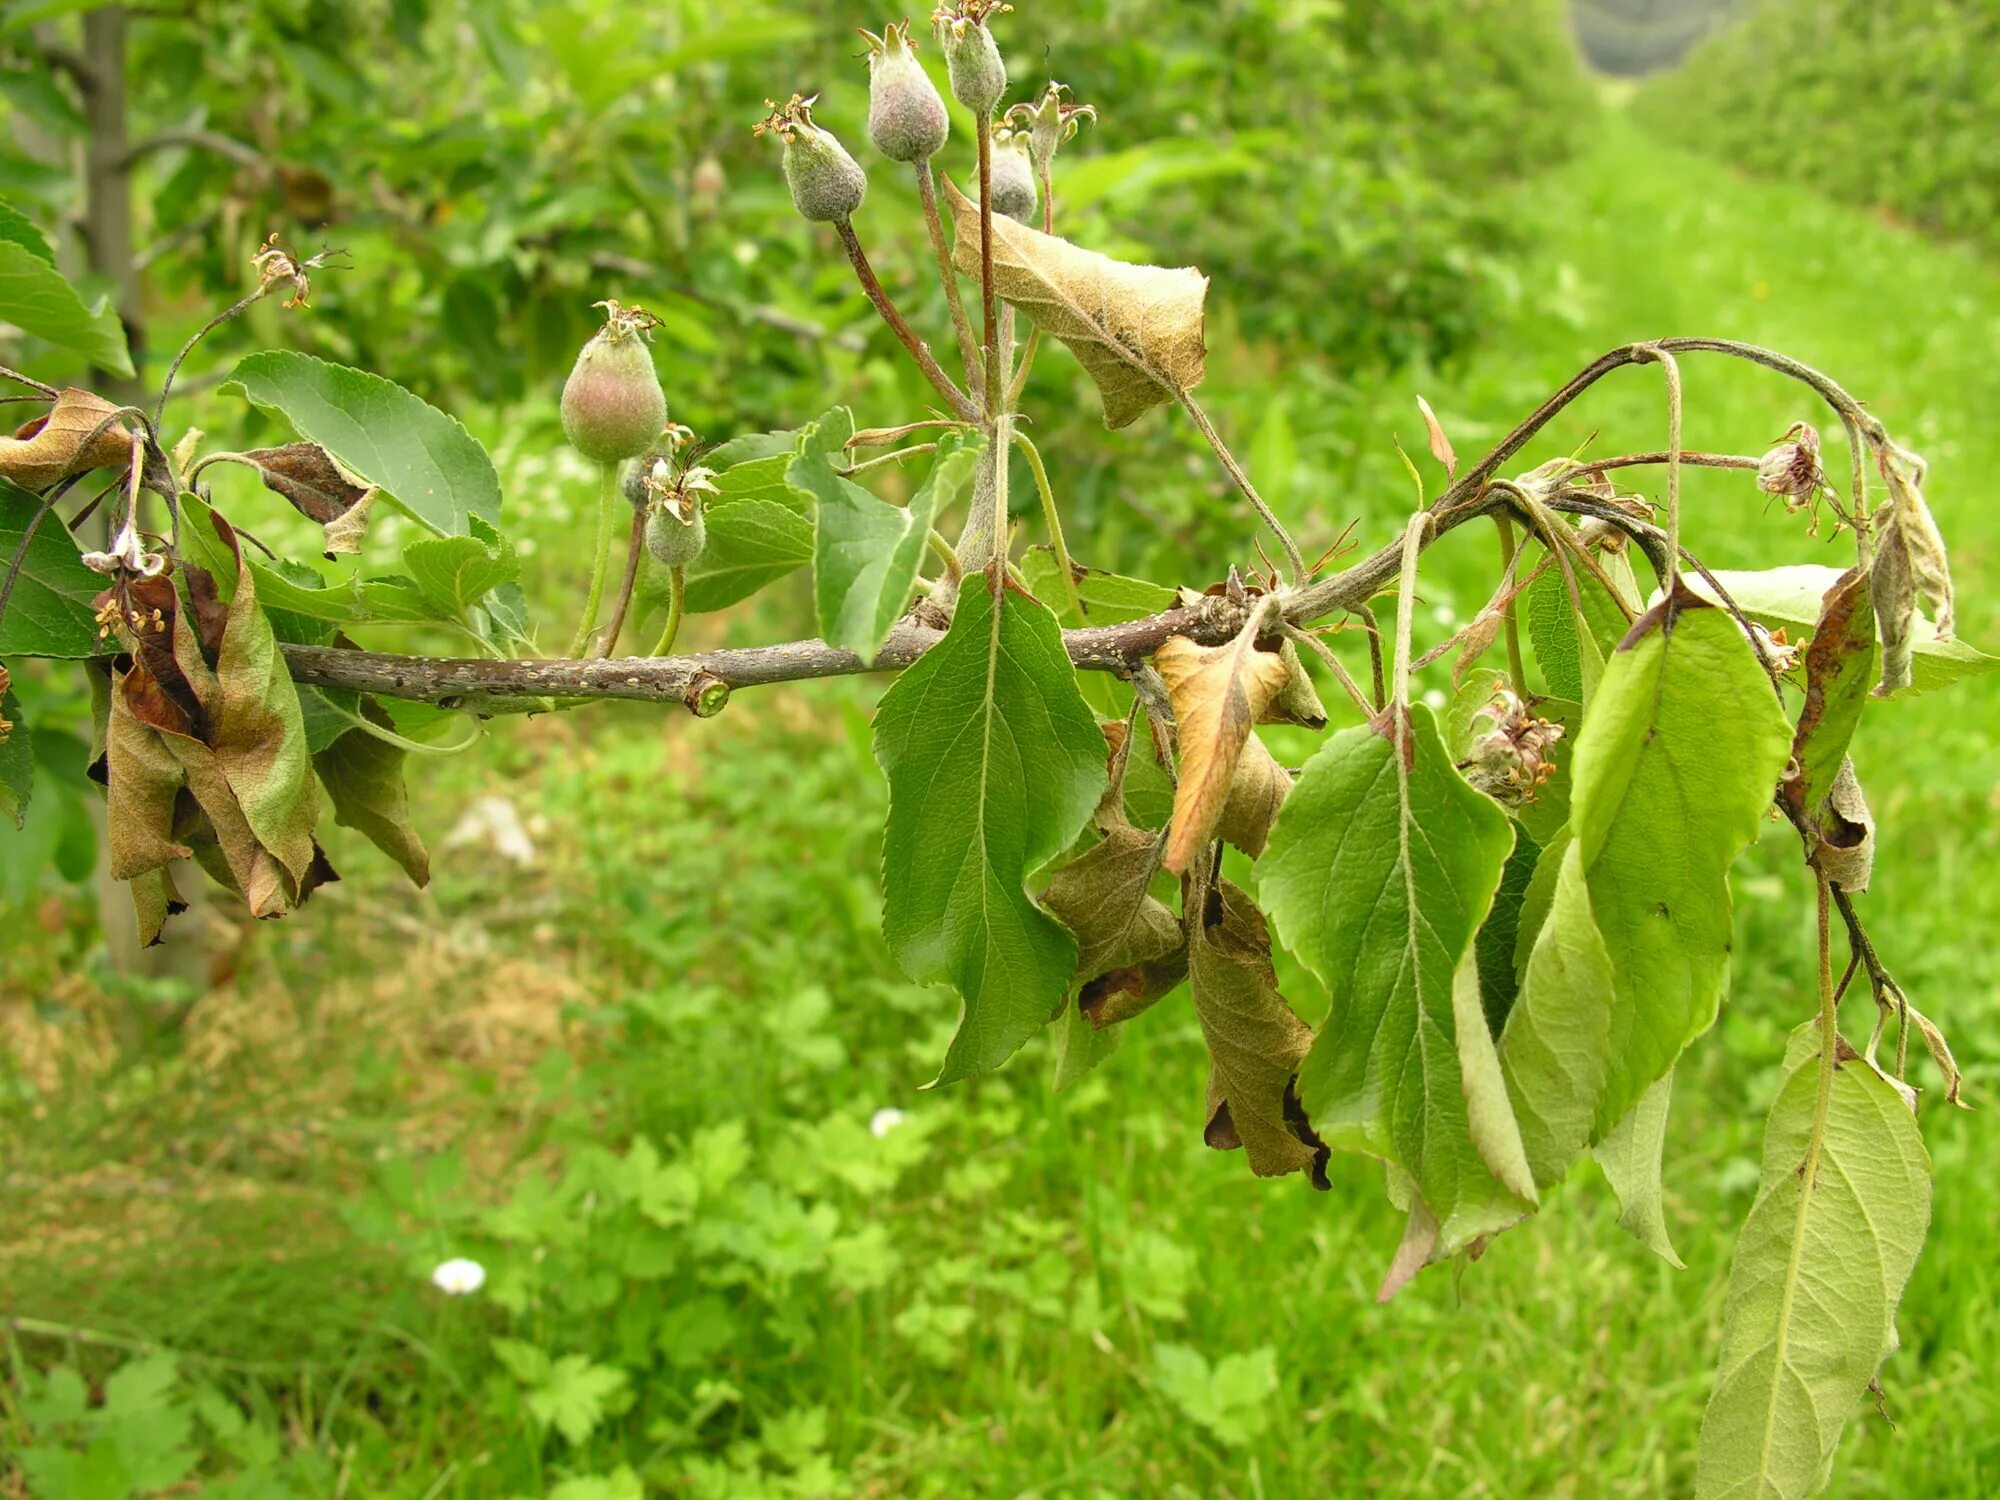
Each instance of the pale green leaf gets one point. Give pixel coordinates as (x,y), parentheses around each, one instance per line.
(456,572)
(1819,1268)
(36,299)
(1496,1135)
(995,764)
(379,433)
(1674,771)
(1630,1156)
(17,761)
(363,775)
(19,229)
(1378,875)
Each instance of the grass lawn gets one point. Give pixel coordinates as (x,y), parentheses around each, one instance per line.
(636,1073)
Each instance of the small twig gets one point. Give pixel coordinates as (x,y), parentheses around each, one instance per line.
(1375,673)
(1671,368)
(1510,624)
(988,300)
(1660,456)
(211,141)
(29,380)
(919,351)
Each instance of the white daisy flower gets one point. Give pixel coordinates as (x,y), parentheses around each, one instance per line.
(883,1121)
(459,1277)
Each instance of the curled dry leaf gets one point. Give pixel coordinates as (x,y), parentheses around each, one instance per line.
(1255,1042)
(1846,853)
(1137,330)
(1298,701)
(1440,444)
(1218,693)
(1256,792)
(319,489)
(1102,898)
(53,446)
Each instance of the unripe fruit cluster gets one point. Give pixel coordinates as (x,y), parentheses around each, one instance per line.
(906,114)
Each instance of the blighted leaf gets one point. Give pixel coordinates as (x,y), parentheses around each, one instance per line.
(378,433)
(154,899)
(1218,693)
(1791,598)
(995,764)
(1440,444)
(1080,1046)
(1820,1266)
(143,781)
(36,299)
(1102,896)
(1840,668)
(65,440)
(1673,772)
(1910,564)
(51,610)
(1846,850)
(308,476)
(866,552)
(1120,994)
(1630,1156)
(363,774)
(1255,1042)
(1137,330)
(1256,791)
(1297,702)
(1380,870)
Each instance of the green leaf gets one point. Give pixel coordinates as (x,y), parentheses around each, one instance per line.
(35,298)
(759,530)
(50,611)
(380,433)
(1791,598)
(994,764)
(1499,933)
(577,1396)
(866,552)
(1107,598)
(456,572)
(363,775)
(1630,1156)
(17,761)
(1379,872)
(17,228)
(1819,1269)
(1674,769)
(282,587)
(1571,660)
(1231,1398)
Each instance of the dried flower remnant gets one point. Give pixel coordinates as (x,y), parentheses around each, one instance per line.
(1512,758)
(1791,469)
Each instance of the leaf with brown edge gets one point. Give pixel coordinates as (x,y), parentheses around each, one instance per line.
(363,774)
(1256,792)
(1117,995)
(1840,661)
(154,899)
(143,780)
(1102,898)
(1217,692)
(1255,1042)
(1137,330)
(58,443)
(306,474)
(1440,444)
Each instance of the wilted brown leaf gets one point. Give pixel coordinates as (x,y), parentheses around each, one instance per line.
(1440,444)
(1117,995)
(52,446)
(1255,1042)
(1137,330)
(1256,792)
(1218,692)
(319,489)
(1101,896)
(1846,853)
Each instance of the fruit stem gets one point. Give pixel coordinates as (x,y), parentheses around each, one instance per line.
(632,545)
(968,342)
(607,500)
(676,594)
(987,299)
(919,351)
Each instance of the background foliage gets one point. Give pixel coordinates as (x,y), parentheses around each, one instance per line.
(1888,105)
(630,1049)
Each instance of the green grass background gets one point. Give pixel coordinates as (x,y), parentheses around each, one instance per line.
(697,943)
